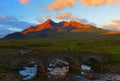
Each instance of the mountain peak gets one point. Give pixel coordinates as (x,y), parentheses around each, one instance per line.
(49,21)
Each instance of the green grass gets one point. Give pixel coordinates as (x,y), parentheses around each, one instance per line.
(114,60)
(95,46)
(4,69)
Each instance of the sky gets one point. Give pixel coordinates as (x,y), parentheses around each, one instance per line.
(17,15)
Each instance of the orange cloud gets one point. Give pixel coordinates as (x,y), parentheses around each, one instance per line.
(64,16)
(61,4)
(116,21)
(69,16)
(99,2)
(24,1)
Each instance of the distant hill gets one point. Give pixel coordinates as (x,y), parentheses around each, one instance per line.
(63,30)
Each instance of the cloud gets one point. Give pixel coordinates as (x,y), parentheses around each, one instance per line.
(99,2)
(12,24)
(42,9)
(24,1)
(40,20)
(116,21)
(114,25)
(67,15)
(4,31)
(15,29)
(47,17)
(81,20)
(2,17)
(58,5)
(61,4)
(5,18)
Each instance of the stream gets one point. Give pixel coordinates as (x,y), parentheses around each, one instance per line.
(60,68)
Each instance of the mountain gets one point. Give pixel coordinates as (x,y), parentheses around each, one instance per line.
(63,30)
(49,25)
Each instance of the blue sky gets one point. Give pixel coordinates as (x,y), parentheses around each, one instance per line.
(16,15)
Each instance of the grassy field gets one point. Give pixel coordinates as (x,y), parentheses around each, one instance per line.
(95,46)
(8,48)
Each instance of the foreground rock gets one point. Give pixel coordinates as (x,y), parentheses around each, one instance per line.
(58,68)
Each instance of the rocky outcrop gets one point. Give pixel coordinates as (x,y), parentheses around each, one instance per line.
(58,67)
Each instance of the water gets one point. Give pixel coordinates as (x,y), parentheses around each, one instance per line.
(29,72)
(60,68)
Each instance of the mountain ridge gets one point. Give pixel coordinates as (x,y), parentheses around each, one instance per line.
(49,24)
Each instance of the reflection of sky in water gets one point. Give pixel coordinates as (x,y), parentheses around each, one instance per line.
(29,72)
(85,67)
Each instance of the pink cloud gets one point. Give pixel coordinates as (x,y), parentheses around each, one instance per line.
(47,17)
(2,17)
(41,20)
(24,1)
(114,25)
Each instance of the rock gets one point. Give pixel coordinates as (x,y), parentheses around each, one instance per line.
(21,52)
(58,67)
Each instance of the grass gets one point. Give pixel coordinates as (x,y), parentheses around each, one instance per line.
(95,46)
(114,60)
(8,48)
(4,69)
